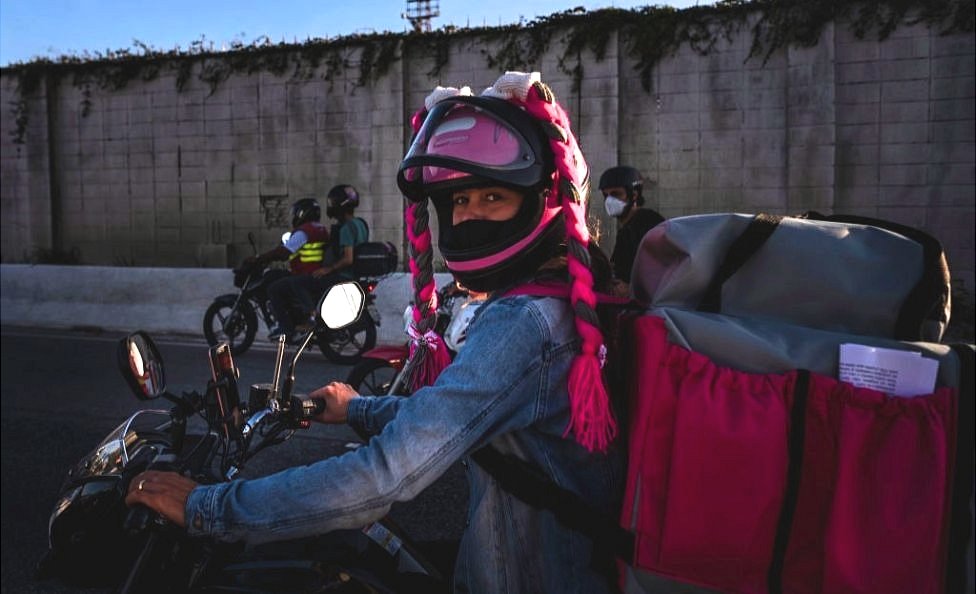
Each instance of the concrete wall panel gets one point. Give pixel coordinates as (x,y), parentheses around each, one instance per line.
(150,175)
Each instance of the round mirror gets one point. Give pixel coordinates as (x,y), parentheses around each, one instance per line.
(342,305)
(142,366)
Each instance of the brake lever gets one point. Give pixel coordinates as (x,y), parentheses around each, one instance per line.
(254,421)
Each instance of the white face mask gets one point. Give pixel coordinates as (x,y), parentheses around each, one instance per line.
(615,206)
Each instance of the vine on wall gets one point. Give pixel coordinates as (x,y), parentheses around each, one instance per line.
(648,35)
(653,33)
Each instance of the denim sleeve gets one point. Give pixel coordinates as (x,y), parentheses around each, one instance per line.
(369,414)
(493,387)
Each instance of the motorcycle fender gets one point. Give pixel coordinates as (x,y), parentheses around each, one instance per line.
(388,352)
(228,299)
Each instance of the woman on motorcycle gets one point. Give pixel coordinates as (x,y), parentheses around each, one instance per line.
(509,186)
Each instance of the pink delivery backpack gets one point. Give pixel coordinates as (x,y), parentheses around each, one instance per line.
(792,422)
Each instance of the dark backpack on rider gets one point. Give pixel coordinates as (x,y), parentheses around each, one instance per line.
(751,468)
(369,258)
(374,258)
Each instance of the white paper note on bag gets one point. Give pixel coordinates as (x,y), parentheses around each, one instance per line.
(900,373)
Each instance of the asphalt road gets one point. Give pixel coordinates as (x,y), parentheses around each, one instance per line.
(61,393)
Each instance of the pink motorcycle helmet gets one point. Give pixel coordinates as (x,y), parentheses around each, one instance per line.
(469,141)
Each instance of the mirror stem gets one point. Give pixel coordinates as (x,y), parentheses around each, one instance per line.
(290,379)
(301,350)
(279,360)
(174,399)
(179,434)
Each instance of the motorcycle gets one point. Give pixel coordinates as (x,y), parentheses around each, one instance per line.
(233,317)
(384,369)
(96,540)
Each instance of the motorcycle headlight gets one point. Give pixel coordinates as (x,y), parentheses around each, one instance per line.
(111,455)
(86,541)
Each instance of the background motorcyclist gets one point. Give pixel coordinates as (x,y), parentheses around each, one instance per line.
(334,265)
(305,251)
(348,232)
(623,191)
(509,186)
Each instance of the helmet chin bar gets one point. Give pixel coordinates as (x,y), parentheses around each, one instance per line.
(522,264)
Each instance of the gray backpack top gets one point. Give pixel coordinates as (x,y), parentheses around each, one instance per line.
(846,274)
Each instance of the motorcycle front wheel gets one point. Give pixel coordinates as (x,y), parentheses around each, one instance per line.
(372,377)
(223,323)
(346,346)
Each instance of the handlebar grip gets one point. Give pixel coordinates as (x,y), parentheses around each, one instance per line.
(306,408)
(138,519)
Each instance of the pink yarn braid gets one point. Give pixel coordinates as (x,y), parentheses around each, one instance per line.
(591,417)
(427,348)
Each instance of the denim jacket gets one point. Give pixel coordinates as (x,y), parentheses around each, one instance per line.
(507,386)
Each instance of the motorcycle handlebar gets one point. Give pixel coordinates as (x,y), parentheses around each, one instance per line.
(139,517)
(301,409)
(307,408)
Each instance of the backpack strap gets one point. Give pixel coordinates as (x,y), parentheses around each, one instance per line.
(334,231)
(961,519)
(743,248)
(561,291)
(530,486)
(794,448)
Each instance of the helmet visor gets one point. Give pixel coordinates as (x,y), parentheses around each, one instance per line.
(464,137)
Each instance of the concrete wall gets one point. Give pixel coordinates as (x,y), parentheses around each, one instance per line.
(149,176)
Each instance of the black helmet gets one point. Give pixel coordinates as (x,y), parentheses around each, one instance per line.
(305,210)
(343,196)
(626,177)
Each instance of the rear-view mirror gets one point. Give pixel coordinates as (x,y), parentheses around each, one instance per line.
(142,366)
(341,305)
